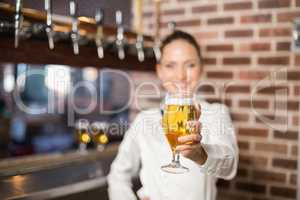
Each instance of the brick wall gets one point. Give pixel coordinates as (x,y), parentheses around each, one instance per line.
(251,68)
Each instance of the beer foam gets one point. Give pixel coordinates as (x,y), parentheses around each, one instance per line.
(178,101)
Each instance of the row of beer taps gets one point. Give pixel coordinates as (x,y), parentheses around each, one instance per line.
(75,35)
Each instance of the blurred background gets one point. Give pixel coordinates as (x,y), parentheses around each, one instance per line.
(252,64)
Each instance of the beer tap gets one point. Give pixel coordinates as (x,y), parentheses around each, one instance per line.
(138,27)
(18,21)
(120,35)
(172,26)
(156,49)
(140,47)
(74,32)
(49,28)
(99,17)
(156,45)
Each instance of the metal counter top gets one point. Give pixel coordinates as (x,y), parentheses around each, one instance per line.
(51,176)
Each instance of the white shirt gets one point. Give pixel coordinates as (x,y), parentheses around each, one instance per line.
(145,149)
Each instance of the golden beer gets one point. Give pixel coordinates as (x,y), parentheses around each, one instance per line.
(179,109)
(99,131)
(82,132)
(175,120)
(83,136)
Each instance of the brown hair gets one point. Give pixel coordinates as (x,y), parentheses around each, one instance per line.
(181,35)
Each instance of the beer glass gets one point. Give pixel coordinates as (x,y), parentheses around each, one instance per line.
(179,108)
(98,131)
(83,136)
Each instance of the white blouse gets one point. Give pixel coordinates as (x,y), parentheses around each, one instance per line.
(145,149)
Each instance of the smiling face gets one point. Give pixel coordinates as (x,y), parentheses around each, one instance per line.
(180,67)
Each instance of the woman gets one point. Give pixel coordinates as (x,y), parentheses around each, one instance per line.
(210,153)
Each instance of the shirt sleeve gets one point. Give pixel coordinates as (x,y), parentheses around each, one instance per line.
(125,166)
(219,142)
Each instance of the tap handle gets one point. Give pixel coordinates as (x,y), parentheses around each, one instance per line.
(172,26)
(73,8)
(18,21)
(119,18)
(49,30)
(74,32)
(140,47)
(48,8)
(156,50)
(73,14)
(120,29)
(120,35)
(99,18)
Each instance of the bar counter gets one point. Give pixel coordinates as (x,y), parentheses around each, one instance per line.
(71,175)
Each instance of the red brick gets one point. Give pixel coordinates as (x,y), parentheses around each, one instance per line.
(253,161)
(251,187)
(293,76)
(280,60)
(288,16)
(253,75)
(229,195)
(237,89)
(206,35)
(240,117)
(262,18)
(253,132)
(275,32)
(237,6)
(296,121)
(204,9)
(220,20)
(274,90)
(219,47)
(267,176)
(184,23)
(220,75)
(297,90)
(255,47)
(238,33)
(298,3)
(297,60)
(274,148)
(237,61)
(284,163)
(242,173)
(206,89)
(288,135)
(295,150)
(227,102)
(283,46)
(274,3)
(173,12)
(243,145)
(283,192)
(291,105)
(210,61)
(271,119)
(293,179)
(254,104)
(223,183)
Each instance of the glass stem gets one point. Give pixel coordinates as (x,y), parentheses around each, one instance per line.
(175,157)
